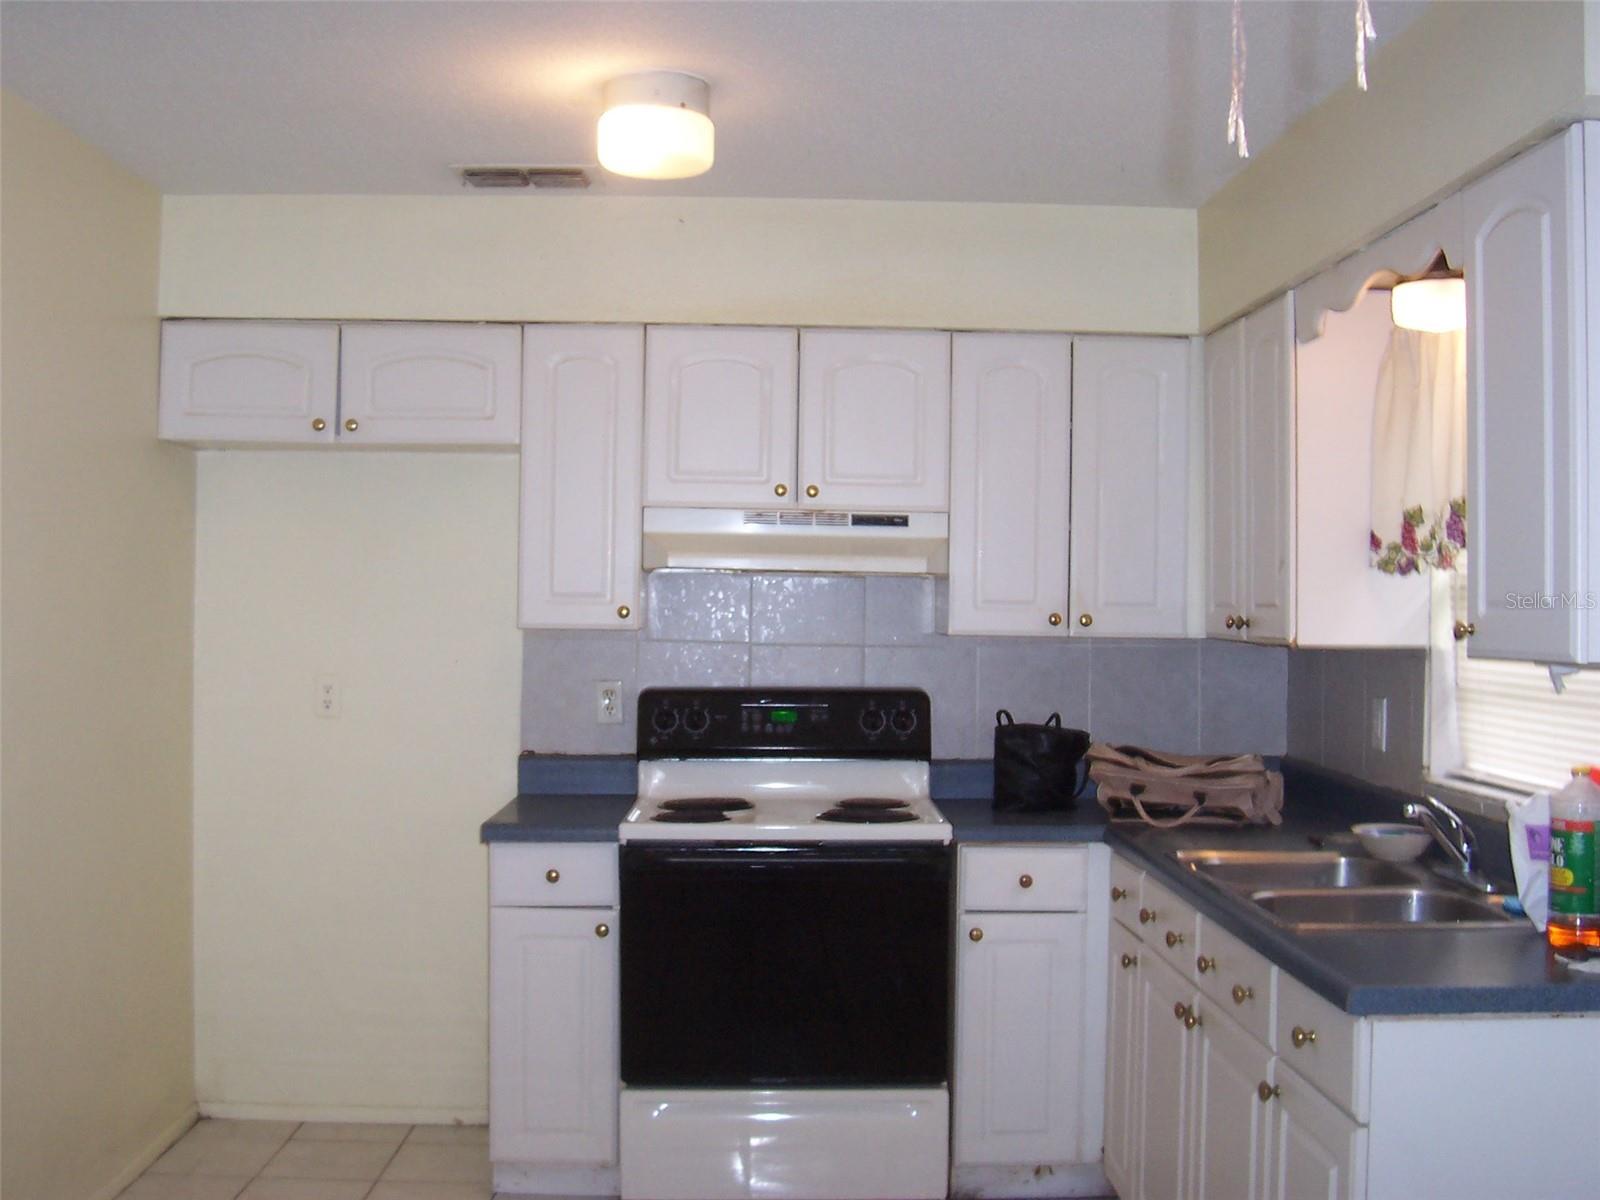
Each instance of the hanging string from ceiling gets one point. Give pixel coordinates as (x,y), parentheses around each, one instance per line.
(1365,32)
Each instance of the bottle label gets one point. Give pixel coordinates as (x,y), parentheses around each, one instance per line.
(1572,868)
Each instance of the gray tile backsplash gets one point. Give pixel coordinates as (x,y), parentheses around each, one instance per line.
(1330,712)
(730,628)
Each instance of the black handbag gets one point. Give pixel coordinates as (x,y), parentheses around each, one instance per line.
(1036,766)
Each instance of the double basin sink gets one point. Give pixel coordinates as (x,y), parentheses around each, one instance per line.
(1314,890)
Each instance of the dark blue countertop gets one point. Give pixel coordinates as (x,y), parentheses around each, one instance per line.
(1368,973)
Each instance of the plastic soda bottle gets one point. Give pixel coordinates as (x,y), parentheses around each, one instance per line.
(1575,863)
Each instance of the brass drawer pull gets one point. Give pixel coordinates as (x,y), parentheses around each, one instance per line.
(1146,915)
(1129,960)
(319,424)
(1085,619)
(1204,964)
(1191,1019)
(1266,1091)
(1025,881)
(624,612)
(1055,618)
(1303,1037)
(552,876)
(975,934)
(351,425)
(781,490)
(1463,630)
(1180,1010)
(1119,893)
(602,930)
(811,490)
(1174,939)
(1242,993)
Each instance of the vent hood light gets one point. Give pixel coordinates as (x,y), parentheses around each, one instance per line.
(656,125)
(1435,302)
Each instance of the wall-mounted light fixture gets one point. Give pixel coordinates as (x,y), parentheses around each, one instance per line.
(1433,302)
(657,125)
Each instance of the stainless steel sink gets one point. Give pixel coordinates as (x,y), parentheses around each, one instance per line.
(1379,908)
(1251,870)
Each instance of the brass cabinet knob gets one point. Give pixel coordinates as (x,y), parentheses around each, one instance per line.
(1055,618)
(1266,1091)
(811,490)
(1242,993)
(552,876)
(624,611)
(1085,620)
(1146,915)
(1128,960)
(1204,964)
(1244,622)
(319,424)
(975,934)
(1191,1019)
(351,424)
(602,929)
(1180,1010)
(1174,938)
(1025,881)
(1231,621)
(1303,1037)
(1463,630)
(1119,893)
(781,490)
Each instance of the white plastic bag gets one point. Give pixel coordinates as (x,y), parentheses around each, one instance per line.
(1529,818)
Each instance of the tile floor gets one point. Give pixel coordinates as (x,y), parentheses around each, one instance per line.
(292,1160)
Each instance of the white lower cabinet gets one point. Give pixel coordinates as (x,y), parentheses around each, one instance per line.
(1228,1079)
(553,1024)
(1028,1064)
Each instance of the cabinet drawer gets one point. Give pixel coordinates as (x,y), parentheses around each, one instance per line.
(1127,891)
(1169,927)
(552,875)
(1024,879)
(1332,1048)
(1243,984)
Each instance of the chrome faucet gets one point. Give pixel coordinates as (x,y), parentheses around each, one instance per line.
(1454,836)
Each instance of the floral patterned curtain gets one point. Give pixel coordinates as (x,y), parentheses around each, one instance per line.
(1419,454)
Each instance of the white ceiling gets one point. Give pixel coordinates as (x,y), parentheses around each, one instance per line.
(980,100)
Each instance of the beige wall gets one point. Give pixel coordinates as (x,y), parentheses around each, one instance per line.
(98,525)
(1459,88)
(592,258)
(340,890)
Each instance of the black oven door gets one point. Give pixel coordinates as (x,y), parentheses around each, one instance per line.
(820,965)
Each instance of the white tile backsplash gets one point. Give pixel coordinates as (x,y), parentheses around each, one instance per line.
(720,628)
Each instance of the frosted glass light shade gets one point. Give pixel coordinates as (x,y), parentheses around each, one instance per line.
(656,125)
(1431,305)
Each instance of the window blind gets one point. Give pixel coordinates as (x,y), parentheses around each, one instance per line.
(1514,727)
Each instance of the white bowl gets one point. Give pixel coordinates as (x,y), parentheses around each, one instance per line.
(1392,843)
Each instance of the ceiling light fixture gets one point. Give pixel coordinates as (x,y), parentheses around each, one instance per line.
(1433,302)
(657,125)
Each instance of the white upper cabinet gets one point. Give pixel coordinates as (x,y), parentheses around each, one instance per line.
(1130,487)
(430,383)
(1250,463)
(249,381)
(874,420)
(582,417)
(1533,451)
(720,415)
(1011,426)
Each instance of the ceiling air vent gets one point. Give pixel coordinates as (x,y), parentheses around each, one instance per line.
(522,177)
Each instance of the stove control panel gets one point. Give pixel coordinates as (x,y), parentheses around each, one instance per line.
(785,722)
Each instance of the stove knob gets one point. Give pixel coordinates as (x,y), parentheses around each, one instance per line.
(904,721)
(872,721)
(696,720)
(664,720)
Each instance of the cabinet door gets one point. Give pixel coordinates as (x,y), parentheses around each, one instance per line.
(249,381)
(874,420)
(432,383)
(1011,424)
(1225,592)
(1166,1079)
(1526,395)
(1269,470)
(1124,1108)
(1130,486)
(553,1035)
(720,416)
(1019,1038)
(583,410)
(1228,1124)
(1317,1152)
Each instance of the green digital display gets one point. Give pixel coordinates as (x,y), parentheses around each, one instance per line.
(783,716)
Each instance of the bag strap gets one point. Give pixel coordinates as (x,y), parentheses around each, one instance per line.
(1157,822)
(1053,719)
(1003,717)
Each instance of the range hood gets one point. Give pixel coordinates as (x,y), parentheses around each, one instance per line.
(792,539)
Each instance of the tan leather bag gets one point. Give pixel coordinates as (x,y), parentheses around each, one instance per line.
(1171,790)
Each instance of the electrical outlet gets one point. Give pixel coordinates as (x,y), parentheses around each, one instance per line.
(329,696)
(1380,724)
(608,701)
